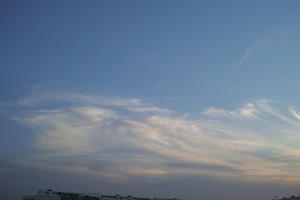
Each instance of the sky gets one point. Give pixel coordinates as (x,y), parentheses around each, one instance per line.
(187,99)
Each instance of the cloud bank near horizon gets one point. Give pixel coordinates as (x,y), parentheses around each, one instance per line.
(118,138)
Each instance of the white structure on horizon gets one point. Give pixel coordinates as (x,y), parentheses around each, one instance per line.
(53,195)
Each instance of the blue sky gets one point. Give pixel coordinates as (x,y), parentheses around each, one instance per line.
(167,95)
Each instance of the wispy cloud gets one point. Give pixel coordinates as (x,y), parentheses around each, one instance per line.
(249,51)
(295,113)
(161,83)
(250,111)
(123,137)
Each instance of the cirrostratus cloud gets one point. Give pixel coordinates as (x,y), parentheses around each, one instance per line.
(123,137)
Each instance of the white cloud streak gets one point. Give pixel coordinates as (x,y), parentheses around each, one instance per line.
(249,51)
(294,113)
(119,138)
(249,111)
(161,83)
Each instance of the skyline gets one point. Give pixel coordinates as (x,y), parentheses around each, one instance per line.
(150,98)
